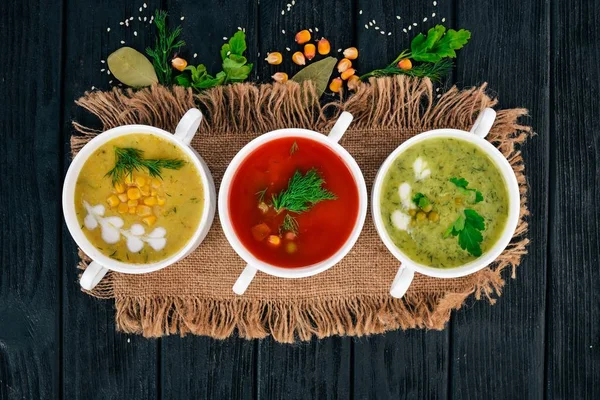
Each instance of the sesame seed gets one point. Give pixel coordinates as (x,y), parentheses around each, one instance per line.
(443,19)
(435,3)
(122,42)
(366,26)
(239,28)
(102,61)
(382,32)
(374,22)
(288,49)
(134,33)
(283,31)
(288,5)
(228,53)
(110,81)
(93,87)
(377,28)
(145,5)
(131,18)
(316,29)
(120,23)
(370,23)
(310,30)
(404,30)
(108,71)
(224,37)
(409,27)
(282,12)
(424,19)
(195,55)
(147,18)
(432,15)
(397,17)
(107,29)
(293,2)
(126,22)
(438,96)
(389,33)
(182,18)
(103,69)
(437,89)
(414,24)
(140,9)
(339,50)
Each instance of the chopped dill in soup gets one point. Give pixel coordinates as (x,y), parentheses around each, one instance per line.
(444,202)
(139,199)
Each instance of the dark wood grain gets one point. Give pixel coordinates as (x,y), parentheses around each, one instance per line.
(98,362)
(402,364)
(498,351)
(30,159)
(573,330)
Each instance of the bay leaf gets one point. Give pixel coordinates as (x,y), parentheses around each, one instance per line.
(318,72)
(131,68)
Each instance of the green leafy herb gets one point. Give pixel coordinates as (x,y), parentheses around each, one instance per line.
(468,228)
(462,185)
(294,148)
(421,200)
(165,45)
(235,67)
(303,192)
(261,195)
(131,67)
(433,51)
(290,224)
(129,159)
(318,72)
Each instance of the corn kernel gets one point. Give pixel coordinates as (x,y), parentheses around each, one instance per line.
(274,240)
(123,208)
(280,77)
(291,247)
(348,73)
(133,193)
(274,58)
(343,65)
(323,47)
(155,183)
(132,203)
(179,63)
(150,220)
(132,210)
(353,82)
(336,85)
(128,180)
(405,64)
(145,190)
(351,53)
(150,201)
(119,187)
(144,211)
(140,180)
(302,36)
(122,197)
(298,58)
(161,201)
(309,51)
(113,201)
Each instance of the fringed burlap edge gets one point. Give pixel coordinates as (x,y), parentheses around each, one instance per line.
(386,103)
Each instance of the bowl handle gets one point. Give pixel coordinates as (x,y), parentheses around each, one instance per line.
(402,281)
(484,122)
(340,127)
(92,275)
(188,125)
(243,281)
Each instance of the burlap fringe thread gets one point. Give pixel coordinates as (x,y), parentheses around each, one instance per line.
(386,103)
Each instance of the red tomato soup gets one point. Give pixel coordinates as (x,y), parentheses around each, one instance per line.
(273,233)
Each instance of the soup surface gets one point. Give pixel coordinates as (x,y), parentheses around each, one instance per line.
(293,202)
(444,202)
(135,217)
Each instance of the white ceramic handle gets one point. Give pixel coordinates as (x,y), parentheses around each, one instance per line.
(243,281)
(484,122)
(92,275)
(402,281)
(188,125)
(340,126)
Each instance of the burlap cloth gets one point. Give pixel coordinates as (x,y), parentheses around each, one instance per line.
(195,296)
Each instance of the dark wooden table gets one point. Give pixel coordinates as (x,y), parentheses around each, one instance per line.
(541,339)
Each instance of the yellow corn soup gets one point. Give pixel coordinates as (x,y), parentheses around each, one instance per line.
(140,218)
(458,180)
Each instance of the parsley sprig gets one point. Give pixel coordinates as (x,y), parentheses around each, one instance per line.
(468,227)
(129,159)
(165,45)
(303,192)
(462,185)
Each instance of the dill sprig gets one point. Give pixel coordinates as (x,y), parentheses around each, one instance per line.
(303,192)
(129,159)
(294,148)
(290,224)
(261,195)
(434,71)
(165,44)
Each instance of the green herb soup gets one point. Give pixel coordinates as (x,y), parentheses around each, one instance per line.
(444,202)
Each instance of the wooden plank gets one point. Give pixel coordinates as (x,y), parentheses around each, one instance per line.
(499,350)
(98,362)
(573,348)
(30,99)
(222,369)
(402,364)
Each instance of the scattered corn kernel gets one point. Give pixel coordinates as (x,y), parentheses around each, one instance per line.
(145,190)
(280,77)
(302,36)
(336,85)
(140,180)
(119,187)
(122,197)
(113,201)
(298,58)
(133,193)
(343,65)
(348,73)
(132,203)
(405,64)
(132,210)
(274,58)
(153,192)
(155,183)
(353,82)
(291,247)
(128,180)
(161,201)
(149,220)
(123,208)
(179,63)
(323,46)
(274,240)
(351,53)
(144,211)
(150,201)
(309,51)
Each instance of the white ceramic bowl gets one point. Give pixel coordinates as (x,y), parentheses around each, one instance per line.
(477,136)
(254,264)
(185,131)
